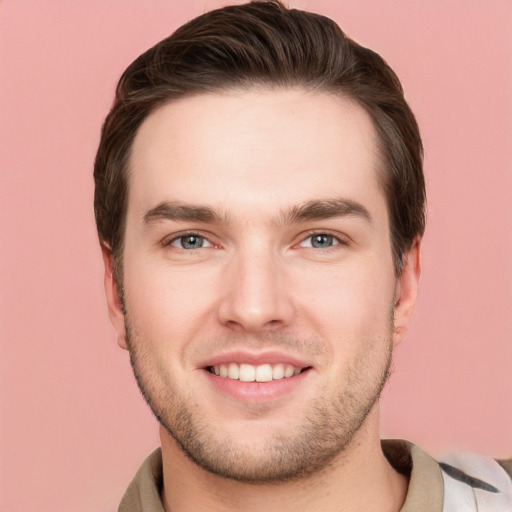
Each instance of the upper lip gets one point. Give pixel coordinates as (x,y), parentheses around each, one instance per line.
(256,359)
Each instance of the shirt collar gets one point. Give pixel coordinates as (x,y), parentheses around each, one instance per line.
(425,493)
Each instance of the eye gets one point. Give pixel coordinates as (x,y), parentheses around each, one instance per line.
(320,241)
(190,242)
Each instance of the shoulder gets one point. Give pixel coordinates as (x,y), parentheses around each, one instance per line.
(506,464)
(143,493)
(462,482)
(475,482)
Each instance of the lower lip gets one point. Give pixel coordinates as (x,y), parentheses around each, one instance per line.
(256,391)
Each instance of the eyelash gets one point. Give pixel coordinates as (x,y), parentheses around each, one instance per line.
(187,234)
(336,239)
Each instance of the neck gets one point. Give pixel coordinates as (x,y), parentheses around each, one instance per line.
(358,479)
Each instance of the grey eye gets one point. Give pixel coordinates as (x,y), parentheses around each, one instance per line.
(190,242)
(320,241)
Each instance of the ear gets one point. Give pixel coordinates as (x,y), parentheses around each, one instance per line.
(115,306)
(406,291)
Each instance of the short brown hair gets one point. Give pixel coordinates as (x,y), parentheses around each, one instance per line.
(262,44)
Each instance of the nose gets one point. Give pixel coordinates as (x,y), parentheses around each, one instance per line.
(256,294)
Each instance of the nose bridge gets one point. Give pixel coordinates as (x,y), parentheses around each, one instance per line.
(255,296)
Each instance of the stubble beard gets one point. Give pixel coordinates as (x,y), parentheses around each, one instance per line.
(327,430)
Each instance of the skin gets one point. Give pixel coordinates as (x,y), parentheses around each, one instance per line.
(233,169)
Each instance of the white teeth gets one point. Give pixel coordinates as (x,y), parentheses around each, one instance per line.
(247,373)
(260,373)
(278,371)
(233,371)
(289,370)
(264,373)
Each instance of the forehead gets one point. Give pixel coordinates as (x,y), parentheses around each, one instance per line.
(255,150)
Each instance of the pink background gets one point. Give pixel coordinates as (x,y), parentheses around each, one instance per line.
(73,425)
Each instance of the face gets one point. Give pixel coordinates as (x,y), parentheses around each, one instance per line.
(260,298)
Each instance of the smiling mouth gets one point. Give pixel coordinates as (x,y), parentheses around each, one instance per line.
(253,373)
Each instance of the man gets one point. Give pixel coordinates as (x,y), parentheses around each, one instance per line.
(260,206)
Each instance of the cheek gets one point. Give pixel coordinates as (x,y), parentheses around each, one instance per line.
(167,303)
(349,303)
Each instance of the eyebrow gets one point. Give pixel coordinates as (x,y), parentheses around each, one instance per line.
(176,211)
(316,209)
(325,209)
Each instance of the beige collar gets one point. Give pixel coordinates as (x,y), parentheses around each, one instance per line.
(425,493)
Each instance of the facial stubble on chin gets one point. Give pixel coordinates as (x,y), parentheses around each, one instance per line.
(327,430)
